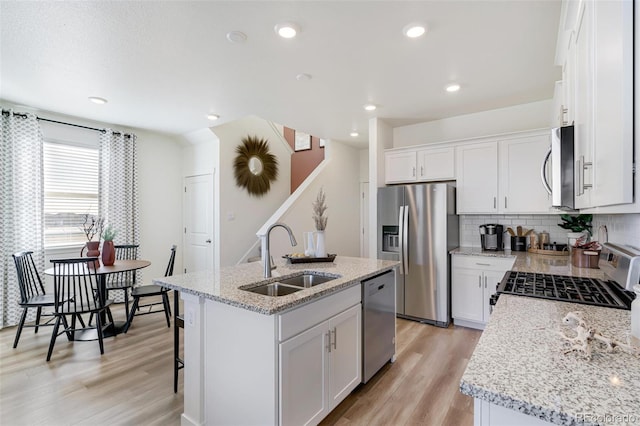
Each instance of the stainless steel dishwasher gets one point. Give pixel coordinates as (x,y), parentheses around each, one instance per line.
(378,323)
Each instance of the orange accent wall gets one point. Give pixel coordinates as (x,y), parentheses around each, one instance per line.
(303,162)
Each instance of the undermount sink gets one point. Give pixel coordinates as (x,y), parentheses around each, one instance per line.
(274,289)
(290,285)
(307,280)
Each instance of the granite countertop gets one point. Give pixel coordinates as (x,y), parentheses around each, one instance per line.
(534,262)
(224,285)
(520,363)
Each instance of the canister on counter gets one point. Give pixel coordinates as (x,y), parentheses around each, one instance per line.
(543,238)
(533,240)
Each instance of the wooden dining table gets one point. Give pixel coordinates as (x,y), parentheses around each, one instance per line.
(116,327)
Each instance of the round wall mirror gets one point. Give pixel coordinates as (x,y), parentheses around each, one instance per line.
(254,166)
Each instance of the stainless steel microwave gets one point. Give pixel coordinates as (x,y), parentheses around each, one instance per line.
(561,184)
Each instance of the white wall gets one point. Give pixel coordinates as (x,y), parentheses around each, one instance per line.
(159,190)
(364,165)
(241,215)
(533,115)
(340,180)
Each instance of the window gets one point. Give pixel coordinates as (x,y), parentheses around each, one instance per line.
(70,191)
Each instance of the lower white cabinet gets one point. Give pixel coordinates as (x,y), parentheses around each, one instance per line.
(488,414)
(473,282)
(319,368)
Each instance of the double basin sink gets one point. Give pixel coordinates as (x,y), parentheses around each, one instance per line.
(289,285)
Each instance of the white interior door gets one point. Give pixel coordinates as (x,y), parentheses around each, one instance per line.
(198,223)
(364,219)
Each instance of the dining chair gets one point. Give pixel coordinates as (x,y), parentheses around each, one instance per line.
(123,281)
(76,292)
(32,293)
(152,290)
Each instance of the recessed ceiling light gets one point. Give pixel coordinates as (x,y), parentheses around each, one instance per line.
(370,107)
(97,100)
(303,77)
(452,87)
(213,117)
(287,29)
(414,30)
(354,134)
(236,36)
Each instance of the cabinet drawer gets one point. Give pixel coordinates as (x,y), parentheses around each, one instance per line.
(488,263)
(304,317)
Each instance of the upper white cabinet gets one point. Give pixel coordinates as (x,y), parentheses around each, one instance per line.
(420,165)
(400,166)
(520,188)
(503,176)
(477,187)
(596,51)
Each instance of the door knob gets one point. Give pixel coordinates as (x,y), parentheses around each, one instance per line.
(208,241)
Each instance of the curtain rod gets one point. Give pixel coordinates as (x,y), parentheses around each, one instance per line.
(19,114)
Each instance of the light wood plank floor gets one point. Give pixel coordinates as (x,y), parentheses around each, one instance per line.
(132,383)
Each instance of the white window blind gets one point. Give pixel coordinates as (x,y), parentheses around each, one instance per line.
(70,191)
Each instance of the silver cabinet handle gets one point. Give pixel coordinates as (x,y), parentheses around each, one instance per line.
(479,281)
(483,264)
(421,170)
(328,334)
(505,202)
(335,338)
(495,200)
(414,172)
(581,167)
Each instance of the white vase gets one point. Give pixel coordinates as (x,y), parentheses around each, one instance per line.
(321,250)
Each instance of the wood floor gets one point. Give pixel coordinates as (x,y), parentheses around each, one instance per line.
(132,383)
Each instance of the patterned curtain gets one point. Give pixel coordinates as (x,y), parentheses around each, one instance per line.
(118,187)
(21,205)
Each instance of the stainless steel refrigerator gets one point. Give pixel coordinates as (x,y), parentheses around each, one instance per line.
(418,225)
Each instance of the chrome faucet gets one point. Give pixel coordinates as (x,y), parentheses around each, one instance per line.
(267,255)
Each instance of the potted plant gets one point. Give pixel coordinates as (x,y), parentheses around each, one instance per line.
(108,250)
(579,226)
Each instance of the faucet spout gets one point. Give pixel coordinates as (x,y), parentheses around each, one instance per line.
(265,243)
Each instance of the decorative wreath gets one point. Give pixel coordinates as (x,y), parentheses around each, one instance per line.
(254,166)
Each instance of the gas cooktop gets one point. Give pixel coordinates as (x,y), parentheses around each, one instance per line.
(564,288)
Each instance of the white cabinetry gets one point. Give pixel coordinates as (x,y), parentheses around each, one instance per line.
(488,414)
(477,187)
(598,75)
(503,176)
(400,166)
(319,368)
(473,282)
(420,165)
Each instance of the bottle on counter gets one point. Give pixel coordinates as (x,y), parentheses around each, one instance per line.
(544,239)
(635,313)
(533,240)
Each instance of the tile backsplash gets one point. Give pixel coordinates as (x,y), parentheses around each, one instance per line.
(622,228)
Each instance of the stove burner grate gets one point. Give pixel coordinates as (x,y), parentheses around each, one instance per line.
(586,291)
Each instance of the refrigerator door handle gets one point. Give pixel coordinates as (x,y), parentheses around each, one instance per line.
(401,236)
(405,240)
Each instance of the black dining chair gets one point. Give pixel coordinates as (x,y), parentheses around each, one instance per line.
(123,281)
(77,292)
(152,290)
(32,293)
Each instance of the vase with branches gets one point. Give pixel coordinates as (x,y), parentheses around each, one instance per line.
(320,219)
(91,227)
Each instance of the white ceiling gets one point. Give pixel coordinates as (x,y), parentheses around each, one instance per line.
(165,65)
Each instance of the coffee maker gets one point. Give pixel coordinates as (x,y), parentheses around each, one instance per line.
(491,236)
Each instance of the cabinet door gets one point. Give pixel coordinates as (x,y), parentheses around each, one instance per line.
(521,189)
(466,294)
(400,166)
(477,171)
(490,280)
(583,132)
(345,358)
(436,164)
(303,369)
(613,103)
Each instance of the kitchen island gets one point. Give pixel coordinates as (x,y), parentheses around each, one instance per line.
(520,374)
(255,359)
